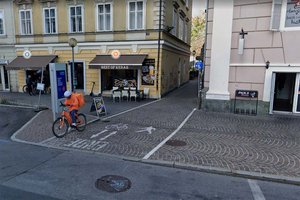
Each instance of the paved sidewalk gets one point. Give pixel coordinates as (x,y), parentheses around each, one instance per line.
(257,146)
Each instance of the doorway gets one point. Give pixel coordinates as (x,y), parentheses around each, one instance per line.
(4,78)
(78,76)
(284,91)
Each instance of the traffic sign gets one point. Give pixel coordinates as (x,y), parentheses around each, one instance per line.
(199,65)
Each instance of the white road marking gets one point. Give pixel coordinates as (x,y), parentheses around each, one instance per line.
(111,134)
(147,129)
(126,111)
(169,137)
(97,134)
(256,191)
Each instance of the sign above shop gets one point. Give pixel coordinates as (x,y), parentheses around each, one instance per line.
(26,54)
(246,93)
(114,67)
(3,62)
(115,54)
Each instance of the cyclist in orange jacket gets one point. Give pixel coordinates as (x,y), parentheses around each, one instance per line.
(72,102)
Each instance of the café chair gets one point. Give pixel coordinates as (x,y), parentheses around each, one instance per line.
(146,92)
(132,93)
(116,93)
(125,93)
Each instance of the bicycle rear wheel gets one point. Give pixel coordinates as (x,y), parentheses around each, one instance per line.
(81,122)
(60,127)
(25,89)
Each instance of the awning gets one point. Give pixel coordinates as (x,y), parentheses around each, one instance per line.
(123,62)
(34,62)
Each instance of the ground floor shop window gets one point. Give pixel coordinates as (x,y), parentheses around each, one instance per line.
(118,78)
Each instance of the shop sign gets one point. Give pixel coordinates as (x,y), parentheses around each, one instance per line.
(3,62)
(115,54)
(246,93)
(114,67)
(26,54)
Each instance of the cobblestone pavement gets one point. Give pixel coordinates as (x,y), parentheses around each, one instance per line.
(260,144)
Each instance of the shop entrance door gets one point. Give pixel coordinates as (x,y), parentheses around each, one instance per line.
(4,81)
(297,95)
(78,76)
(284,90)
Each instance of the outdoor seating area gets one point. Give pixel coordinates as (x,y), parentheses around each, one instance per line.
(129,94)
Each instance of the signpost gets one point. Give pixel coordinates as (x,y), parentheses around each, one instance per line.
(59,85)
(199,67)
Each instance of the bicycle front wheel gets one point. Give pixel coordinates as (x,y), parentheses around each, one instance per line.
(81,122)
(60,127)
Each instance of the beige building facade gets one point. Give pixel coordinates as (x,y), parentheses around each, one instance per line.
(151,36)
(253,45)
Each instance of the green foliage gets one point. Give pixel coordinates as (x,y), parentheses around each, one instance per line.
(198,33)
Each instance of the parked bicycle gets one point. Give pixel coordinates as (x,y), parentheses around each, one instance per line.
(62,124)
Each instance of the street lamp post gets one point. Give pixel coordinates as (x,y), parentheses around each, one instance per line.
(72,43)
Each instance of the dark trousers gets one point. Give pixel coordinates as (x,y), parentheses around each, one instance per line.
(73,115)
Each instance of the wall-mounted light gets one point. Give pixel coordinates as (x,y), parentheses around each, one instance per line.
(242,42)
(267,64)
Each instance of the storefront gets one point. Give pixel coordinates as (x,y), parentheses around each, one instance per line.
(285,92)
(124,71)
(33,66)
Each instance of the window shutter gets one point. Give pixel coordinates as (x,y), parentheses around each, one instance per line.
(276,15)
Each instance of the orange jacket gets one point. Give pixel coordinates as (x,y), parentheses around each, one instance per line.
(73,102)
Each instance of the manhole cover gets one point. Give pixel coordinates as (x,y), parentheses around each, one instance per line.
(113,184)
(176,143)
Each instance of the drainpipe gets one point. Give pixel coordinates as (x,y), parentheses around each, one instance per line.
(204,58)
(158,52)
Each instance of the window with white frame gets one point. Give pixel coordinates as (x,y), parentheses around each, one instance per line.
(181,29)
(104,17)
(175,22)
(285,15)
(25,22)
(50,20)
(76,19)
(136,14)
(2,22)
(292,14)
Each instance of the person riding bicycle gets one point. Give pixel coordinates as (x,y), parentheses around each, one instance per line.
(72,102)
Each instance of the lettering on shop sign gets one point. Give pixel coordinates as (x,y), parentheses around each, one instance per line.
(114,67)
(246,93)
(85,144)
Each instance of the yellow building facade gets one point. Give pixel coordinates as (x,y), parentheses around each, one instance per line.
(151,36)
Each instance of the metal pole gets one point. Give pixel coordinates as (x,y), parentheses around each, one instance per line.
(158,51)
(42,76)
(72,71)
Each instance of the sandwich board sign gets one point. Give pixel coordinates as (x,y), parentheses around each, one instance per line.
(98,106)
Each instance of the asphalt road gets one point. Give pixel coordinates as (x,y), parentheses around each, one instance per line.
(33,172)
(12,118)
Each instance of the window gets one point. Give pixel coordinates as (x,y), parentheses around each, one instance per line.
(285,15)
(25,22)
(104,17)
(185,32)
(292,14)
(50,20)
(1,22)
(136,15)
(175,22)
(181,29)
(76,21)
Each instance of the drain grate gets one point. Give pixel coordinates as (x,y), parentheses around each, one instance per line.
(113,184)
(176,143)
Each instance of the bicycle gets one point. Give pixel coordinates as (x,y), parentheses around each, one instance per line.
(61,125)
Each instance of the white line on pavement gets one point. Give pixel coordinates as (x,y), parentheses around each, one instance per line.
(169,137)
(131,109)
(256,191)
(111,134)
